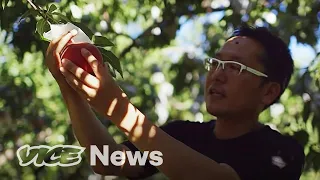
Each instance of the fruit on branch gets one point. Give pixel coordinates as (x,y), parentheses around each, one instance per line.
(72,52)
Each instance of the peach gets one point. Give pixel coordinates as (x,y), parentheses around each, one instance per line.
(72,52)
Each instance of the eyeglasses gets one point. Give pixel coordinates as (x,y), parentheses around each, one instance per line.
(231,67)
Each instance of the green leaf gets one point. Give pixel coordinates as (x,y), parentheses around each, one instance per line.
(84,28)
(46,28)
(39,26)
(52,8)
(61,16)
(42,26)
(111,59)
(47,6)
(112,71)
(101,41)
(49,16)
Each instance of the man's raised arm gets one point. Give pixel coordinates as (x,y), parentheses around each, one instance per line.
(87,128)
(103,94)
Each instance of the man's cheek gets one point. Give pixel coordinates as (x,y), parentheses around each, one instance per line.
(237,97)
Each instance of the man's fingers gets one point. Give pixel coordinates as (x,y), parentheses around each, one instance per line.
(94,63)
(79,86)
(81,74)
(54,42)
(65,39)
(56,45)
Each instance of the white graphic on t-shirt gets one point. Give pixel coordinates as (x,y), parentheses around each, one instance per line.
(278,161)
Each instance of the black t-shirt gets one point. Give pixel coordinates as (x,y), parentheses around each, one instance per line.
(264,154)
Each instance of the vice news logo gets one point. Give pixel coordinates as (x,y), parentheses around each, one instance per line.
(70,155)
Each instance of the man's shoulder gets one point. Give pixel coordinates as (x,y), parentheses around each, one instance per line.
(275,138)
(282,146)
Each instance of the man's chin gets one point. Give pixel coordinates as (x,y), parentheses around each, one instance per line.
(216,111)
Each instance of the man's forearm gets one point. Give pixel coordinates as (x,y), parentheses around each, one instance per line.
(148,137)
(87,128)
(84,122)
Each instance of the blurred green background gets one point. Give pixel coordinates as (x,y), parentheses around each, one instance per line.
(161,45)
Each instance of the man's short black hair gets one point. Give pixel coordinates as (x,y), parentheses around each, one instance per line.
(276,59)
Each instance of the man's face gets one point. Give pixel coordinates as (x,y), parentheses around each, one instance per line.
(227,94)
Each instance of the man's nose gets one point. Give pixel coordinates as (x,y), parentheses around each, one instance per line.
(218,74)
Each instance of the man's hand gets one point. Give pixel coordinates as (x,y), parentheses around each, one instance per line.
(53,60)
(98,90)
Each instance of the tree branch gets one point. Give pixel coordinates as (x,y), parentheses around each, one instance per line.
(40,11)
(35,7)
(148,30)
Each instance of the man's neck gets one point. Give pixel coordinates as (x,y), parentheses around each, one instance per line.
(228,128)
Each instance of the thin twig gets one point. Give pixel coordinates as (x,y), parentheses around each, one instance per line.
(48,17)
(40,11)
(33,5)
(36,8)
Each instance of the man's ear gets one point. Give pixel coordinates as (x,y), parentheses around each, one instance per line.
(271,90)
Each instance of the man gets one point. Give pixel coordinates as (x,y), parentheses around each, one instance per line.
(246,76)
